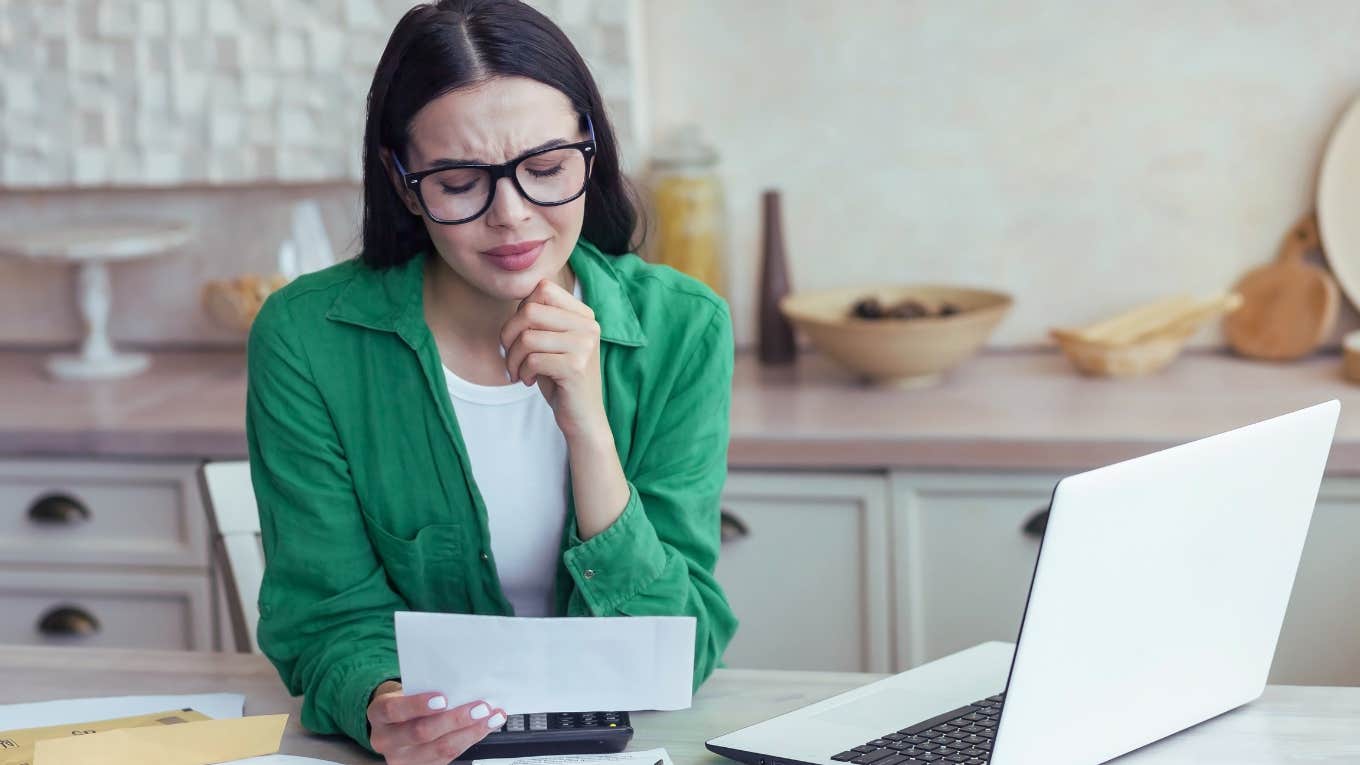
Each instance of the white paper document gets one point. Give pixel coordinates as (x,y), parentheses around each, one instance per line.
(526,665)
(41,714)
(646,757)
(280,760)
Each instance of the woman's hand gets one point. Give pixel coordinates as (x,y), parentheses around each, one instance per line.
(554,340)
(421,730)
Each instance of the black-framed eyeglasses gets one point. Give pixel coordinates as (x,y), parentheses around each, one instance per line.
(458,193)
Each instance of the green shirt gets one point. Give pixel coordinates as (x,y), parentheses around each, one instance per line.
(366,496)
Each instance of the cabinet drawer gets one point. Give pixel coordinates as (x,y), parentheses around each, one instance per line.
(101,513)
(105,610)
(809,577)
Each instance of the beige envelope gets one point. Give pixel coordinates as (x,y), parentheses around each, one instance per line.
(16,746)
(194,743)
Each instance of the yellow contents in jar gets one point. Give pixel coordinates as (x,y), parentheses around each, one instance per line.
(688,235)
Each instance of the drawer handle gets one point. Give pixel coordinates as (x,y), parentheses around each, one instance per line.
(58,509)
(733,528)
(68,621)
(1036,524)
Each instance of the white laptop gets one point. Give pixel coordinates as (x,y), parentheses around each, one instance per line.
(1156,603)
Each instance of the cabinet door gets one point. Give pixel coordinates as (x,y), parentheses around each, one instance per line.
(809,577)
(1320,641)
(962,560)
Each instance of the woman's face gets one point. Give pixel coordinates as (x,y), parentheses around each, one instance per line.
(493,122)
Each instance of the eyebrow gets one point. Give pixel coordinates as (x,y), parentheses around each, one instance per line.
(445,162)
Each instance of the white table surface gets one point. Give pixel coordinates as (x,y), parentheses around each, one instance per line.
(1286,725)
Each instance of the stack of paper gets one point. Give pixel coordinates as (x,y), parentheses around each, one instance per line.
(42,714)
(646,757)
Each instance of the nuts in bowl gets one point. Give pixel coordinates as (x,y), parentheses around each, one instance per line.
(910,308)
(907,335)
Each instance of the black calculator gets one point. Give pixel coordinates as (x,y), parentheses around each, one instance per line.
(555,733)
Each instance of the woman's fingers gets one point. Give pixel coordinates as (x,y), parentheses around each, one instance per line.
(543,316)
(557,366)
(429,726)
(542,341)
(549,321)
(393,708)
(551,293)
(450,744)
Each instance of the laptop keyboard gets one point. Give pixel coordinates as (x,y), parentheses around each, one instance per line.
(964,735)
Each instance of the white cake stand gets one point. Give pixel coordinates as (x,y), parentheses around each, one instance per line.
(91,247)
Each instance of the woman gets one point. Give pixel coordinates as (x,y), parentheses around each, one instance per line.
(494,409)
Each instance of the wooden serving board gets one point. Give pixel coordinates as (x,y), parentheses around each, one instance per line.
(1289,306)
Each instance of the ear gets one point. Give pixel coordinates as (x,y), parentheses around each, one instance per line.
(404,192)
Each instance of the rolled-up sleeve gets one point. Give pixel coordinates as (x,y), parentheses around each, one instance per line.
(659,555)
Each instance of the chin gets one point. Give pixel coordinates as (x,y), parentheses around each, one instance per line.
(517,286)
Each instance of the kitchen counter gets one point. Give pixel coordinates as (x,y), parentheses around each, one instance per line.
(188,404)
(1001,410)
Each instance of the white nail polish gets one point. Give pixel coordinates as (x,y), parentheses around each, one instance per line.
(496,722)
(479,711)
(439,702)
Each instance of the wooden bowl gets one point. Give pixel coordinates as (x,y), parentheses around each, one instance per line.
(1133,360)
(908,352)
(233,303)
(1143,340)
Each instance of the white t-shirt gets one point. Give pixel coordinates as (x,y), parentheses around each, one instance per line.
(519,461)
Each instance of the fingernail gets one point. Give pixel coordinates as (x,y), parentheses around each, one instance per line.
(479,711)
(496,722)
(439,702)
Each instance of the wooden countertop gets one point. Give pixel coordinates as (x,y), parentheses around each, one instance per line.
(1000,411)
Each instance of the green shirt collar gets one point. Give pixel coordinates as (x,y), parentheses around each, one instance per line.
(390,299)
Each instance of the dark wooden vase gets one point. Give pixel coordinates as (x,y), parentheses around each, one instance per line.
(776,342)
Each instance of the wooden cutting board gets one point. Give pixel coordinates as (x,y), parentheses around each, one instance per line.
(1289,306)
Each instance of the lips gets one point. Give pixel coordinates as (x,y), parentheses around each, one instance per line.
(515,257)
(518,248)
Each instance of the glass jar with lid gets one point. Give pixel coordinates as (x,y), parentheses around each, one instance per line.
(687,201)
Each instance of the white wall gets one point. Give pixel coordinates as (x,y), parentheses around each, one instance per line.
(1084,156)
(157,93)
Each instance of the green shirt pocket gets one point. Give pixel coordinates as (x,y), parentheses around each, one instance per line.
(427,570)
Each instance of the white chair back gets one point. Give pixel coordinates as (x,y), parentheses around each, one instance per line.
(230,501)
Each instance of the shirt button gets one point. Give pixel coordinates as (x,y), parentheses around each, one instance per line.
(588,573)
(486,557)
